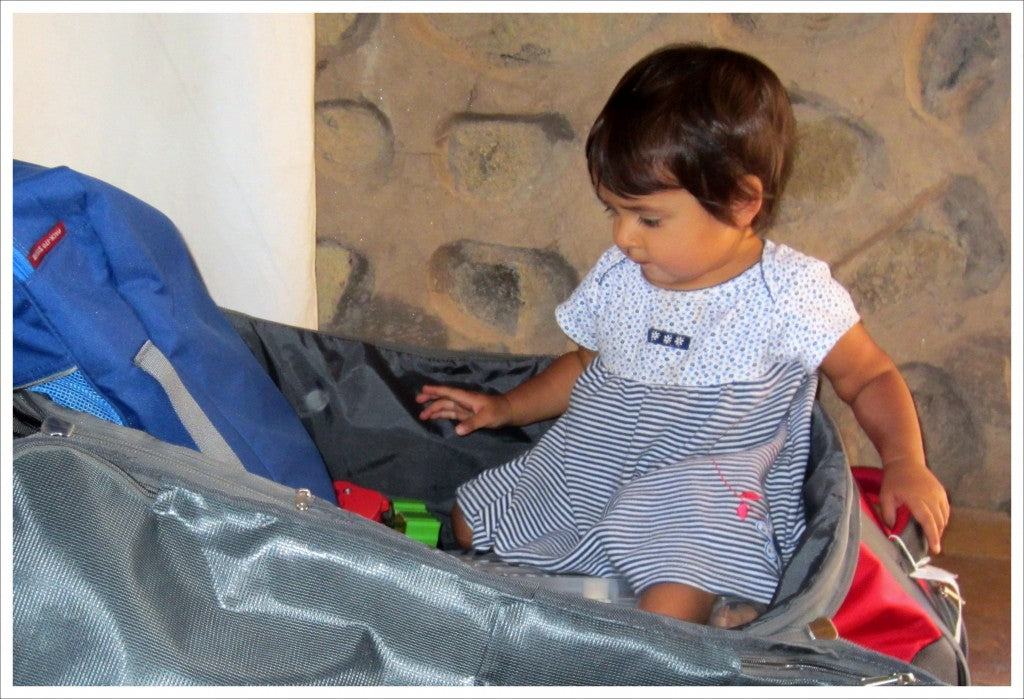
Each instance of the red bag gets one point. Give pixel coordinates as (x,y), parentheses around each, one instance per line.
(878,613)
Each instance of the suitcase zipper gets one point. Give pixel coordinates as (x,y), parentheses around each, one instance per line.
(55,429)
(804,667)
(63,423)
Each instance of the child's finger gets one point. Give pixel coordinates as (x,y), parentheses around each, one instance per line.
(932,532)
(457,396)
(930,524)
(440,409)
(466,426)
(432,392)
(888,507)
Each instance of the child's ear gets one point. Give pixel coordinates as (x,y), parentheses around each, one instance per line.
(748,201)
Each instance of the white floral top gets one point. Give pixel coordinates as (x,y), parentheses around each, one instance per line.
(786,308)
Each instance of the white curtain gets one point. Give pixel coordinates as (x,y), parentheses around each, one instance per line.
(207,117)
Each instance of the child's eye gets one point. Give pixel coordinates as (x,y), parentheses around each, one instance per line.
(649,222)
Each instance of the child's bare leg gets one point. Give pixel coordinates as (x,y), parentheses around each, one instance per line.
(463,534)
(677,600)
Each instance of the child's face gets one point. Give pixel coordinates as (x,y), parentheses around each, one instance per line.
(676,242)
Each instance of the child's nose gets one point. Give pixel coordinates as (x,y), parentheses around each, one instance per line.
(623,233)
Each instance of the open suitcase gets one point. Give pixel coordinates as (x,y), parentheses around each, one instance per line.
(138,561)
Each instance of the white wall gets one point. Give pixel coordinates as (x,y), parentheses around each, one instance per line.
(207,117)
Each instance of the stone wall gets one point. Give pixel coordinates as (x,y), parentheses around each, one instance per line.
(454,208)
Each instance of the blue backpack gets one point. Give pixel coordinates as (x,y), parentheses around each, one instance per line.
(111,317)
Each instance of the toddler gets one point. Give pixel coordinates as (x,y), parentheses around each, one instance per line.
(684,431)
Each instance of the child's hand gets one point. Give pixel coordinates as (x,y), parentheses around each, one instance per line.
(472,410)
(914,486)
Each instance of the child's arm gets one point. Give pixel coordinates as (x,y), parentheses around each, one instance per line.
(544,396)
(867,379)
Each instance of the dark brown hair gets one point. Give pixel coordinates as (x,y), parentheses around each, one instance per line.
(700,118)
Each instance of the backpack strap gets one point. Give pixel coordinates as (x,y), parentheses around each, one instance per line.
(207,437)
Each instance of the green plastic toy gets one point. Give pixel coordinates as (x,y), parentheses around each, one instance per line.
(412,519)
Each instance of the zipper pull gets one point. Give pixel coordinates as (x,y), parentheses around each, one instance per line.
(57,427)
(303,497)
(822,629)
(896,678)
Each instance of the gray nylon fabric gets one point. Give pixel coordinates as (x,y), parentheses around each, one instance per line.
(139,563)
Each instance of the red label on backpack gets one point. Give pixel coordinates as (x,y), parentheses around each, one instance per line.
(45,244)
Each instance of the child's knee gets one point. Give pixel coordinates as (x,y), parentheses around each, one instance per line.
(463,534)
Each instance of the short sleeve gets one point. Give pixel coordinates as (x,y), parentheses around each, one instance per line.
(816,310)
(578,315)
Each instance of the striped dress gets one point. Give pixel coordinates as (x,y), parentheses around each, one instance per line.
(682,453)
